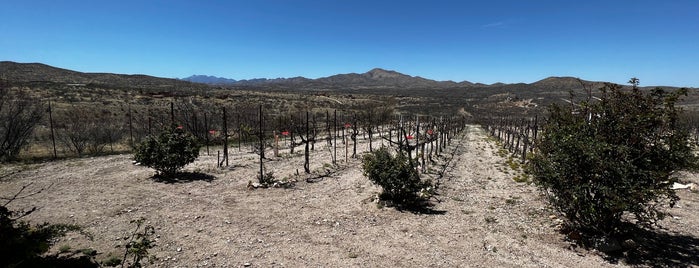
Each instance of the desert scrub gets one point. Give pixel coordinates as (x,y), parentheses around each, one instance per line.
(267,179)
(502,152)
(512,163)
(168,152)
(397,177)
(140,241)
(611,157)
(522,178)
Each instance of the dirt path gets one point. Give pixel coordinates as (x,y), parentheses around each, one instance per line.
(484,219)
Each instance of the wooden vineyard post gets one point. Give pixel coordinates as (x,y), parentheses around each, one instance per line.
(440,138)
(306,164)
(262,147)
(370,131)
(276,143)
(206,127)
(195,125)
(131,142)
(354,137)
(526,142)
(421,147)
(329,138)
(500,129)
(513,140)
(335,141)
(432,138)
(417,139)
(343,127)
(225,138)
(240,134)
(400,129)
(314,131)
(53,136)
(292,141)
(536,126)
(517,132)
(172,114)
(390,131)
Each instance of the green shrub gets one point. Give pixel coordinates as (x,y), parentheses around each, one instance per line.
(268,178)
(396,175)
(612,156)
(140,241)
(168,152)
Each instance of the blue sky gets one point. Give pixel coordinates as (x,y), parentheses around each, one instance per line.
(479,41)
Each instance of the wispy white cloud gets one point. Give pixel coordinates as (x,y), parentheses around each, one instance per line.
(498,24)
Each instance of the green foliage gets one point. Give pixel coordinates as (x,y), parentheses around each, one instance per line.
(267,179)
(168,152)
(139,243)
(396,175)
(612,156)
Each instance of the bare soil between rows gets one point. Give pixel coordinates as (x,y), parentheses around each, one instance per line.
(481,217)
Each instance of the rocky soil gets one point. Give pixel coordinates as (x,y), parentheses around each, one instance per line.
(481,216)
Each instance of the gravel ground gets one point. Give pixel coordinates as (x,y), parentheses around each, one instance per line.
(480,218)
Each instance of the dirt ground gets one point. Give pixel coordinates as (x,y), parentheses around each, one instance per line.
(480,218)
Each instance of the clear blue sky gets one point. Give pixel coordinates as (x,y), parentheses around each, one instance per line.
(480,41)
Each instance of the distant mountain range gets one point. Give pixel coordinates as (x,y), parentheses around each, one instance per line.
(211,80)
(374,79)
(380,78)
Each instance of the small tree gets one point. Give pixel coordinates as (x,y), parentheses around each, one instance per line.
(140,241)
(168,152)
(613,156)
(396,175)
(19,114)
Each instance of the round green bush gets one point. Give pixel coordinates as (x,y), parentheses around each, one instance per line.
(612,157)
(168,152)
(399,180)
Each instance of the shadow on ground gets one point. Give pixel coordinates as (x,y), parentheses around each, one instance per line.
(183,177)
(55,262)
(421,207)
(658,248)
(424,210)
